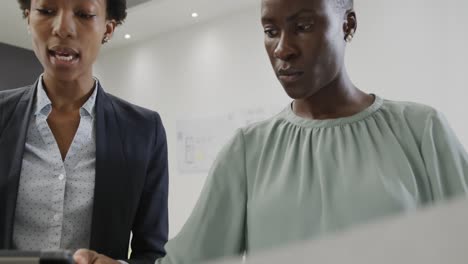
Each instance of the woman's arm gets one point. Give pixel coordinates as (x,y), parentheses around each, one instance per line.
(216,227)
(150,227)
(445,158)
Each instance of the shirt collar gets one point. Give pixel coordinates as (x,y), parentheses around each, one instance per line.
(44,105)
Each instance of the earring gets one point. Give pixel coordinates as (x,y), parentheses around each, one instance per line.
(106,39)
(349,37)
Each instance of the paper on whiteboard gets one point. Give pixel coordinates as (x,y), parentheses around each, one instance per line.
(200,140)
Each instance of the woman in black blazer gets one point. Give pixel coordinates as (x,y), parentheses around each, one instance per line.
(126,165)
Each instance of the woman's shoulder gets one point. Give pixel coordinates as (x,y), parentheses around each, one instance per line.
(410,115)
(131,111)
(255,134)
(124,105)
(9,99)
(263,126)
(399,106)
(13,95)
(410,111)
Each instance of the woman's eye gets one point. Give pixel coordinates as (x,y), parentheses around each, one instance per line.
(45,11)
(304,27)
(271,32)
(85,15)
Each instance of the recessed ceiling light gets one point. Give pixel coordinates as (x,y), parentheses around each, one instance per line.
(194,14)
(127,36)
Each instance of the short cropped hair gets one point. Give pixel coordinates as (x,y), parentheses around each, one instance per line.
(116,9)
(345,4)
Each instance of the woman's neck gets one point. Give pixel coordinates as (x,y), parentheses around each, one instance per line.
(340,98)
(68,95)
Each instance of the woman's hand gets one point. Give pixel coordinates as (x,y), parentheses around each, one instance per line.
(86,256)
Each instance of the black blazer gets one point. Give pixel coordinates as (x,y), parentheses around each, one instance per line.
(131,185)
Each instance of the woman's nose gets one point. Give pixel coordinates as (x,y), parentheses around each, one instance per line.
(285,49)
(64,25)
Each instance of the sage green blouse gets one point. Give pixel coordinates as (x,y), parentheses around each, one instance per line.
(289,178)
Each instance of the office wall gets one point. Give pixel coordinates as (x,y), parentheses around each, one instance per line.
(18,67)
(404,50)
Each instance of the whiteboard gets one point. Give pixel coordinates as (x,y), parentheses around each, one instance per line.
(200,139)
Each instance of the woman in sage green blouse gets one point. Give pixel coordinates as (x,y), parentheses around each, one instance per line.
(334,158)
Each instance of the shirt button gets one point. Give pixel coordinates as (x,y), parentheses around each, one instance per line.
(56,217)
(61,177)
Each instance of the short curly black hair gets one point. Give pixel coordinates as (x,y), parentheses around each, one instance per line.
(116,9)
(345,4)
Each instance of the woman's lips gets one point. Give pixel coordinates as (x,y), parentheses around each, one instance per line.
(63,56)
(288,76)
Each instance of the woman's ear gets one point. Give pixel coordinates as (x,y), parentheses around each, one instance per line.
(350,25)
(351,22)
(110,28)
(26,13)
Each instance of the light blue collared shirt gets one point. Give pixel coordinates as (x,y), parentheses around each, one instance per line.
(55,196)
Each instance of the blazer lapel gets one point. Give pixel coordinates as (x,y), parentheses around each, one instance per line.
(111,207)
(12,144)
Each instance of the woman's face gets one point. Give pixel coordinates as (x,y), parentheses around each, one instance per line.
(67,35)
(305,40)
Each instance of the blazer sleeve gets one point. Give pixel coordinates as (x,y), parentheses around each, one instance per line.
(150,228)
(217,226)
(445,158)
(2,113)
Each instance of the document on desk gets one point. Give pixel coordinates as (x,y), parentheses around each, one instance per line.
(432,235)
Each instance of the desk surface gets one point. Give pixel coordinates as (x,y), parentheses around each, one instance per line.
(430,236)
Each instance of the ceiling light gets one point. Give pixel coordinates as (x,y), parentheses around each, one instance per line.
(194,15)
(127,36)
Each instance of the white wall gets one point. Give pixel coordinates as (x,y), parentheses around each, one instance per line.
(404,50)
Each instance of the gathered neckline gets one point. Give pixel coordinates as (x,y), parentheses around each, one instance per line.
(289,115)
